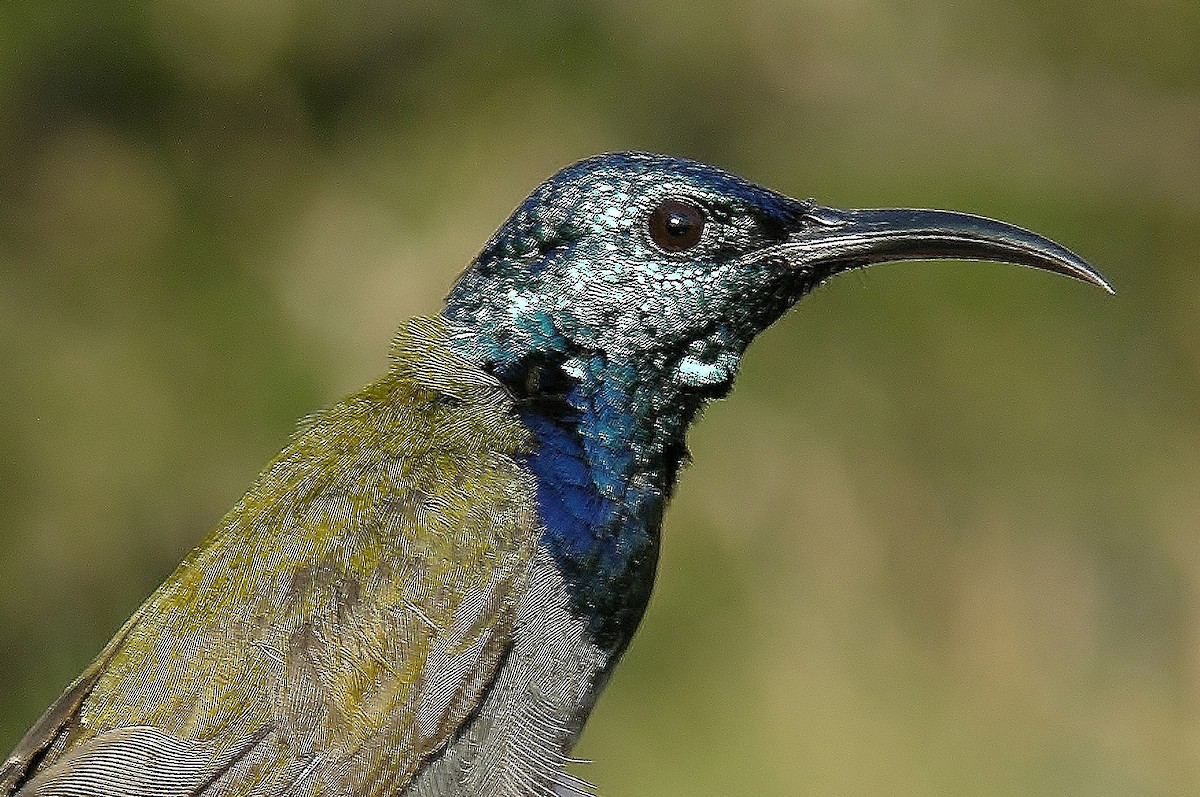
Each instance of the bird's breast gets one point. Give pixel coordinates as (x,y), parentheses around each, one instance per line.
(603,541)
(536,706)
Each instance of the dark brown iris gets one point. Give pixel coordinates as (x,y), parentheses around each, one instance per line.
(676,225)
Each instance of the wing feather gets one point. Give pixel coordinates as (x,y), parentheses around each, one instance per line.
(341,623)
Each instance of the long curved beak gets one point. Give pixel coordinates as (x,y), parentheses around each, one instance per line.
(831,241)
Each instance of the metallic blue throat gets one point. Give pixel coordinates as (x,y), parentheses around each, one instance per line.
(601,521)
(609,444)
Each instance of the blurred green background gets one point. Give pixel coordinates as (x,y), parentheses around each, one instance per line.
(942,540)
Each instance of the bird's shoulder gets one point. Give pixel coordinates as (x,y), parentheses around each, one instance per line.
(349,610)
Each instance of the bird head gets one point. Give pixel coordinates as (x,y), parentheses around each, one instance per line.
(665,269)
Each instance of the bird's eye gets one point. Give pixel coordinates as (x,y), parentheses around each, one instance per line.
(676,225)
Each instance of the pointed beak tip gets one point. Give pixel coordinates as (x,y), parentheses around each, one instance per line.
(1085,273)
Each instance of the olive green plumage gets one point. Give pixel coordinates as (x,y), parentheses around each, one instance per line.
(343,619)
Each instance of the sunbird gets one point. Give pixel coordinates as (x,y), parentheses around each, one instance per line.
(425,592)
